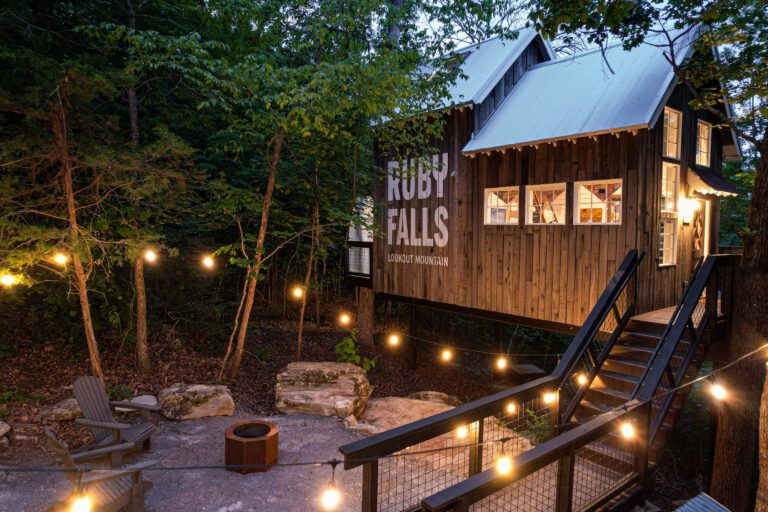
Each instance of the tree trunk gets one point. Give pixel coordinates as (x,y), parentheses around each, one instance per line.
(364,316)
(762,489)
(133,108)
(142,349)
(61,137)
(737,431)
(274,146)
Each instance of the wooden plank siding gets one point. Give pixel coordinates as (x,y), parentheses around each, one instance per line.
(544,273)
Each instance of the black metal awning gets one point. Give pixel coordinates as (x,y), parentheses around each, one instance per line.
(707,182)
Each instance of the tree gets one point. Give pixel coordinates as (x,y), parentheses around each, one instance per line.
(740,29)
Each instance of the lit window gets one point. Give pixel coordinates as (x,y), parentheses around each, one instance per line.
(672,122)
(703,143)
(597,202)
(502,205)
(545,204)
(670,178)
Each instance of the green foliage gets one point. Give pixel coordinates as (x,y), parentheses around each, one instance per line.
(346,352)
(539,425)
(119,392)
(734,210)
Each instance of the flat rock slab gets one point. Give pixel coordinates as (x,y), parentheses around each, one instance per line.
(387,413)
(63,411)
(201,443)
(141,399)
(436,396)
(183,402)
(322,389)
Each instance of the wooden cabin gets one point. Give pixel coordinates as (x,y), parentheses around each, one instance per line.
(549,171)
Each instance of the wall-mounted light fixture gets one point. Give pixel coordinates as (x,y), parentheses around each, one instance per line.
(687,208)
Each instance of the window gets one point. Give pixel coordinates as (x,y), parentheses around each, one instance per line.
(703,143)
(597,202)
(672,121)
(502,205)
(545,204)
(670,178)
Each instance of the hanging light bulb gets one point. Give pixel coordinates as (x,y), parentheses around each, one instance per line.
(550,397)
(501,363)
(8,280)
(627,430)
(60,258)
(345,319)
(446,355)
(208,261)
(150,255)
(718,392)
(462,432)
(504,462)
(393,340)
(297,292)
(511,408)
(581,379)
(331,497)
(82,504)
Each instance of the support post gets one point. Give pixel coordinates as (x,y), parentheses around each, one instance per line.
(565,481)
(643,445)
(476,450)
(370,486)
(412,339)
(364,317)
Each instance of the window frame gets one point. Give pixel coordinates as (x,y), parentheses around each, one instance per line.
(576,203)
(545,186)
(486,192)
(678,142)
(668,215)
(699,123)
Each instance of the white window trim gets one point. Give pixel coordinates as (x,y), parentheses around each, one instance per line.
(709,142)
(576,215)
(679,134)
(545,186)
(487,191)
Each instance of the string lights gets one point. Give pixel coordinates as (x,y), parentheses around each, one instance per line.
(82,504)
(345,319)
(718,392)
(627,430)
(446,355)
(393,340)
(511,408)
(331,497)
(150,256)
(208,261)
(462,432)
(297,292)
(60,259)
(549,397)
(8,280)
(504,462)
(581,379)
(501,363)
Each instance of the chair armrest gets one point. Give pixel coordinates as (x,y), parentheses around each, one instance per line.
(102,424)
(97,477)
(134,405)
(104,450)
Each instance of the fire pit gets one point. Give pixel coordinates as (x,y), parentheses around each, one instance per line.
(251,442)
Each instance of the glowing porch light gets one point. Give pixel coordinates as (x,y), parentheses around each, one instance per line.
(627,430)
(687,208)
(150,256)
(718,392)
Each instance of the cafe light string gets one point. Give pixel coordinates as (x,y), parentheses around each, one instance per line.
(332,496)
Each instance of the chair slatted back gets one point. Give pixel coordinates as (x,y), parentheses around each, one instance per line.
(63,453)
(92,399)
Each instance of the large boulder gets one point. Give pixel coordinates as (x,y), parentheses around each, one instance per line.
(323,389)
(142,400)
(387,413)
(63,411)
(436,396)
(183,402)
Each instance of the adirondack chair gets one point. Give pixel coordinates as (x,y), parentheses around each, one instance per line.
(97,409)
(109,491)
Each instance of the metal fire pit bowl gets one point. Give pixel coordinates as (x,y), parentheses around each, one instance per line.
(251,442)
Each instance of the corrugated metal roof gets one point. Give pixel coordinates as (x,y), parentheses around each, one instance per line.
(484,64)
(579,95)
(702,503)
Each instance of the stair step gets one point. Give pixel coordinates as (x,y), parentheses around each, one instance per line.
(640,338)
(616,380)
(607,397)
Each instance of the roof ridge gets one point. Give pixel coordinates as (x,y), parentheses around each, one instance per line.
(573,57)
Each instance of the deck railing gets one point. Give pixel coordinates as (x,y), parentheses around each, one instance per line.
(525,416)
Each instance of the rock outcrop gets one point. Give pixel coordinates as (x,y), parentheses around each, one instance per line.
(390,412)
(323,389)
(183,402)
(63,411)
(436,396)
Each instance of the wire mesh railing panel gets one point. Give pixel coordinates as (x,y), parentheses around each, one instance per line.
(536,492)
(422,470)
(522,426)
(601,466)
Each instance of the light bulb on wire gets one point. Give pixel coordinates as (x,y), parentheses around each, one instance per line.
(8,280)
(150,256)
(60,258)
(331,497)
(511,408)
(446,355)
(504,462)
(550,397)
(581,379)
(627,430)
(345,319)
(718,392)
(462,432)
(501,363)
(208,261)
(297,292)
(393,340)
(82,504)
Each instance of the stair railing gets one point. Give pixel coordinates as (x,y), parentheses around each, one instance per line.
(689,331)
(525,416)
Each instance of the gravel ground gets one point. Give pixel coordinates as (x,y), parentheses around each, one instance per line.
(201,442)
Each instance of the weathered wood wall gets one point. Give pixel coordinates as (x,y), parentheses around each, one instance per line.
(542,273)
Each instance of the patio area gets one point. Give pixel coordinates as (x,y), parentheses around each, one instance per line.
(201,442)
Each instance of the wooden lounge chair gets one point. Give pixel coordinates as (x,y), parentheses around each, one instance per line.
(109,491)
(97,409)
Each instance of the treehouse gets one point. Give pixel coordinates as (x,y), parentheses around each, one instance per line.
(549,171)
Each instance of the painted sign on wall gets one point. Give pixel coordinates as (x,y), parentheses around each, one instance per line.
(416,215)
